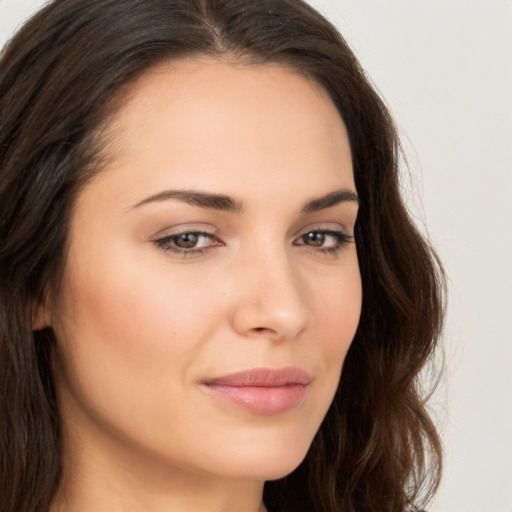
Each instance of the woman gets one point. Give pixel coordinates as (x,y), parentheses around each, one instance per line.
(201,230)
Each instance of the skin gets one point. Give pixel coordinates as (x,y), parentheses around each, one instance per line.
(139,327)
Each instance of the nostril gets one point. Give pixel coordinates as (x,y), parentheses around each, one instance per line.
(263,331)
(278,317)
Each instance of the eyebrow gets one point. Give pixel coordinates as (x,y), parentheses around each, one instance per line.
(329,200)
(229,204)
(201,199)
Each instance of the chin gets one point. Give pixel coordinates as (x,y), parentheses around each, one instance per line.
(269,462)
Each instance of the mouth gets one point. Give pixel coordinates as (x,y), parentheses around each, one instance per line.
(265,391)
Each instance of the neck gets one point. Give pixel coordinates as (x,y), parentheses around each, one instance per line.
(106,476)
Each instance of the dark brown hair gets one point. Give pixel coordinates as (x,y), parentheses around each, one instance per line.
(377,449)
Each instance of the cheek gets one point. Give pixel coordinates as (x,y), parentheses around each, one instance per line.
(337,308)
(126,337)
(129,297)
(338,321)
(335,301)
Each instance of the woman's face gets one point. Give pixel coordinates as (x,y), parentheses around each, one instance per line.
(211,288)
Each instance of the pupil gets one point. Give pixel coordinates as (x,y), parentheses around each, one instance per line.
(187,240)
(315,239)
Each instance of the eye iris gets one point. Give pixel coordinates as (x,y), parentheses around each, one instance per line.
(315,239)
(186,240)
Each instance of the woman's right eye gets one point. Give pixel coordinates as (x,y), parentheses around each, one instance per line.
(187,243)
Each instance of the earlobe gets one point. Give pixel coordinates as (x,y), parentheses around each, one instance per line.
(42,318)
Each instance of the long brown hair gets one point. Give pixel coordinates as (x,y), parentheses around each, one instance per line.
(377,449)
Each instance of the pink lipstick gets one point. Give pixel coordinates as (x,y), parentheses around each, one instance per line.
(262,390)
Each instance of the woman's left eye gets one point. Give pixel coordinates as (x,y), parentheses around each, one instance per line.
(323,240)
(190,242)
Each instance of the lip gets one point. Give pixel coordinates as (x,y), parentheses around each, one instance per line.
(262,390)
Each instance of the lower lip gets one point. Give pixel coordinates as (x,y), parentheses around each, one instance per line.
(262,399)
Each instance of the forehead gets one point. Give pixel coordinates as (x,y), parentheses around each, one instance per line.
(203,120)
(201,78)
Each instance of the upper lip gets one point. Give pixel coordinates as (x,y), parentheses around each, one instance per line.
(263,377)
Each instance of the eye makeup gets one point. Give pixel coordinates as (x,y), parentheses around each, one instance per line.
(197,243)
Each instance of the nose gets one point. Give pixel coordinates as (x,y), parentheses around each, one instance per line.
(270,299)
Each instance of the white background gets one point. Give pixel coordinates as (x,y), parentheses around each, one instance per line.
(445,69)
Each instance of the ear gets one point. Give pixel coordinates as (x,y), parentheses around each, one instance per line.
(42,318)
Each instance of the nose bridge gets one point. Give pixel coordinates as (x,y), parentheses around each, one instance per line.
(271,299)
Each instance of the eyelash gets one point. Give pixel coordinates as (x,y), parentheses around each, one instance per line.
(342,239)
(166,243)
